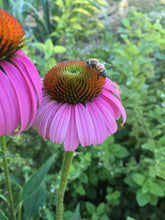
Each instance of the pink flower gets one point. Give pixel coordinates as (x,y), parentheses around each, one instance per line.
(77,107)
(20,85)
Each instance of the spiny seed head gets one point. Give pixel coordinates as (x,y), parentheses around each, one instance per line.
(73,82)
(11,35)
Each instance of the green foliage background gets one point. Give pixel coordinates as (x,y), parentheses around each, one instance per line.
(124,178)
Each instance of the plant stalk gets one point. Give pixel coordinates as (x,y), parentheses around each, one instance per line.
(6,170)
(67,160)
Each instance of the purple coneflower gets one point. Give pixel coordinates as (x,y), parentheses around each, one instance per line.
(78,107)
(20,85)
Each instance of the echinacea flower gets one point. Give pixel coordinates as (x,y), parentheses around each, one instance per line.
(78,107)
(20,84)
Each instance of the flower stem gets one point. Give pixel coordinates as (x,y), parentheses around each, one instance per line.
(67,160)
(6,170)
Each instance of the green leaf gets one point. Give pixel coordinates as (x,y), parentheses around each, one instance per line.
(119,151)
(33,184)
(130,218)
(77,213)
(147,146)
(126,23)
(156,190)
(138,178)
(33,203)
(2,197)
(90,207)
(3,216)
(39,46)
(101,209)
(50,215)
(59,49)
(153,200)
(81,11)
(142,198)
(48,48)
(161,141)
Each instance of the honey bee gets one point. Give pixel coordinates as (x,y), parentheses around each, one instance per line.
(99,67)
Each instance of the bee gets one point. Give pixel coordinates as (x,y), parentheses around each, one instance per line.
(99,67)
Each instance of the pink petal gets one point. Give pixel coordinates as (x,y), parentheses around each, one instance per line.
(110,88)
(71,141)
(113,84)
(98,123)
(27,66)
(45,116)
(84,125)
(117,103)
(104,101)
(22,92)
(59,124)
(32,90)
(10,117)
(108,118)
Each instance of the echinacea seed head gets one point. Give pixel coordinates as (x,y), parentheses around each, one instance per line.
(73,82)
(11,35)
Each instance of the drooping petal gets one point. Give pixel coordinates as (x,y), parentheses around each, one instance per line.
(112,87)
(59,124)
(9,111)
(108,118)
(22,92)
(33,92)
(98,123)
(113,100)
(110,82)
(45,116)
(71,141)
(84,125)
(104,101)
(23,62)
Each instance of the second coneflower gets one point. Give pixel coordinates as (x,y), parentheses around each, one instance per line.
(78,107)
(20,85)
(20,88)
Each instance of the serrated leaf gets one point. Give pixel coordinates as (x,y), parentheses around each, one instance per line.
(33,184)
(90,207)
(156,190)
(142,198)
(59,49)
(138,178)
(77,213)
(33,203)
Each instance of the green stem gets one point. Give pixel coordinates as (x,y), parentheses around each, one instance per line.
(67,160)
(6,170)
(19,211)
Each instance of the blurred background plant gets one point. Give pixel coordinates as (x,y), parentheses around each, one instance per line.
(125,177)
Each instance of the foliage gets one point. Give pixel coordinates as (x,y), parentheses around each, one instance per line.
(123,178)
